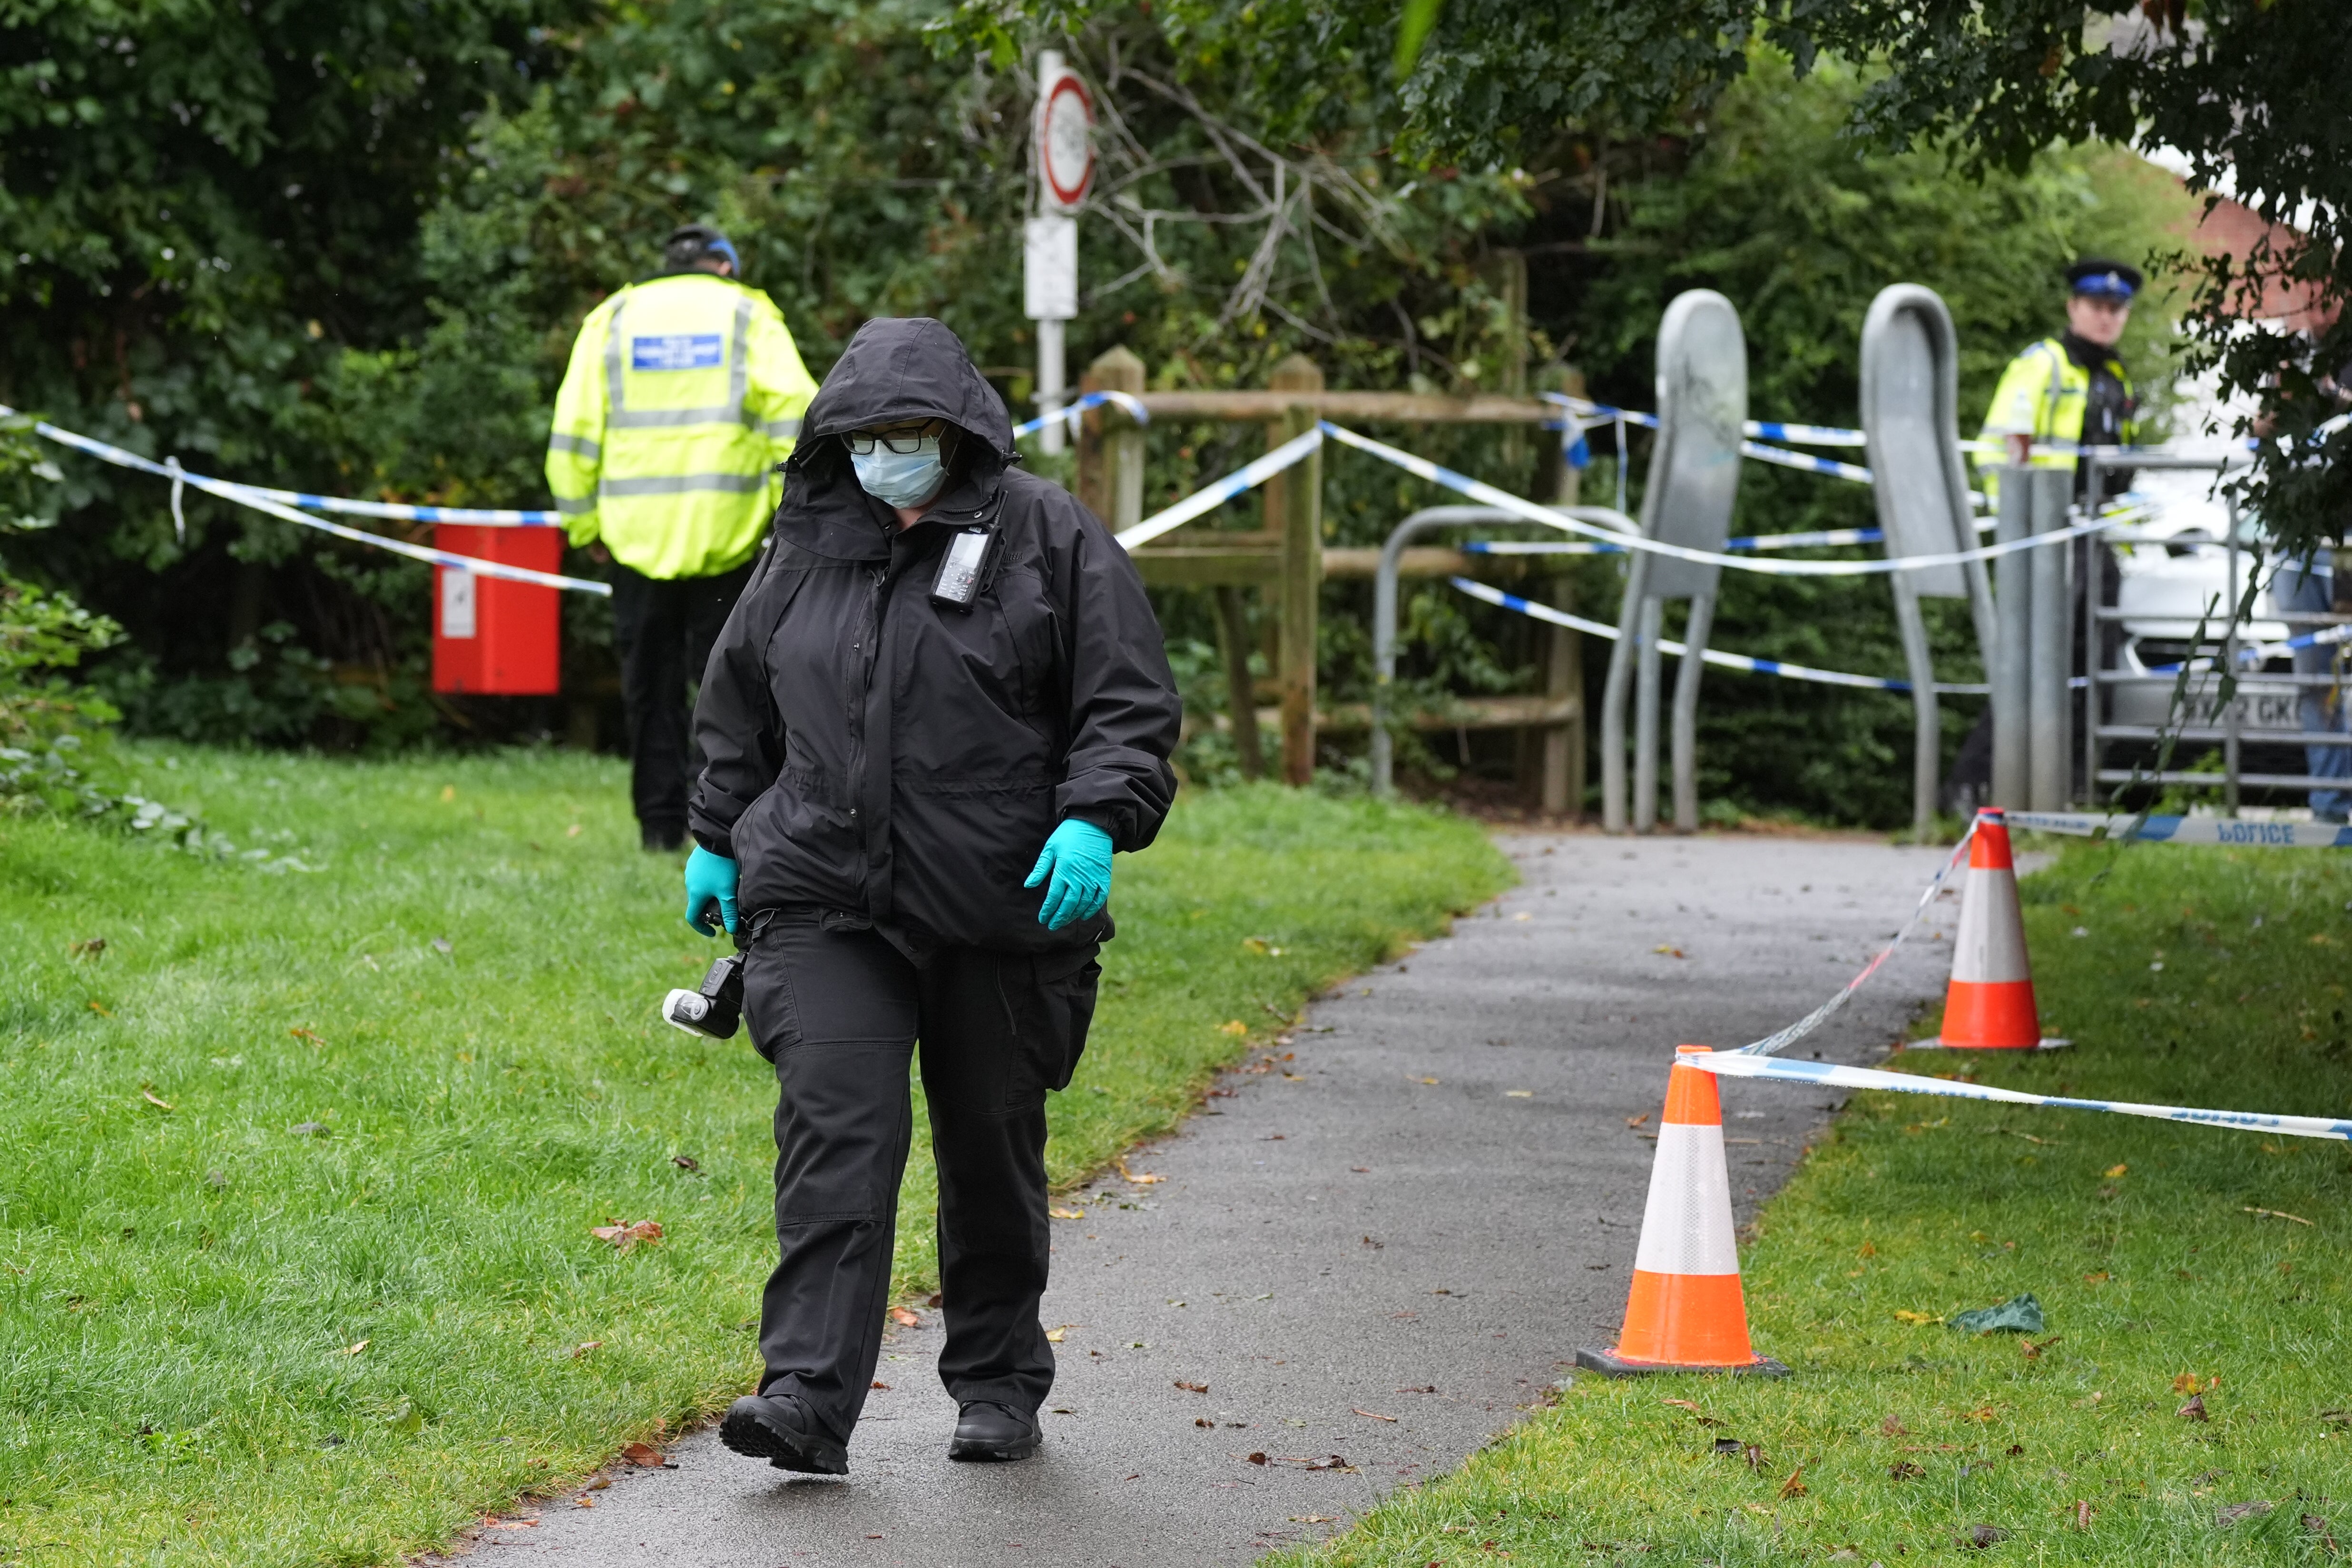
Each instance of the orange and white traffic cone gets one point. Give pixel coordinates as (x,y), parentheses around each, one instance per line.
(1990,1007)
(1686,1312)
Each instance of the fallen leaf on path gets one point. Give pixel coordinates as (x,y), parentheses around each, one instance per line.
(2097,1276)
(1792,1487)
(2194,1410)
(2113,1171)
(600,1484)
(1370,1414)
(1637,1121)
(1361,1169)
(2274,1214)
(2187,1383)
(1754,1454)
(1233,1027)
(1430,1080)
(148,1095)
(1068,1214)
(1670,952)
(2082,1516)
(1324,1518)
(1253,1459)
(308,1035)
(1518,1094)
(904,1318)
(354,1350)
(584,1346)
(2238,1510)
(1141,1179)
(625,1236)
(101,1011)
(1903,1471)
(1421,1388)
(510,1524)
(1055,1336)
(687,1163)
(1902,1316)
(1894,1427)
(1191,1387)
(2033,1352)
(645,1456)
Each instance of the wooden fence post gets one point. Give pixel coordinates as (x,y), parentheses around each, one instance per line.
(1110,444)
(1295,507)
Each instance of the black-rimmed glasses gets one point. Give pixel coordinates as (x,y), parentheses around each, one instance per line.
(905,443)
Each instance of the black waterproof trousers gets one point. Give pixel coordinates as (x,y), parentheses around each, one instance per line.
(841,1012)
(663,630)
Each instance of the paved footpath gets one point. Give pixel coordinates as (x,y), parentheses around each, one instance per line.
(1378,1248)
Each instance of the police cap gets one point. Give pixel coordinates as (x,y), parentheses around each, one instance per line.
(2102,278)
(692,243)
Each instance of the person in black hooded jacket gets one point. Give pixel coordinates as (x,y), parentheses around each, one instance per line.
(939,707)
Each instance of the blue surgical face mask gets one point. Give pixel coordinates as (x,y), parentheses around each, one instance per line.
(901,478)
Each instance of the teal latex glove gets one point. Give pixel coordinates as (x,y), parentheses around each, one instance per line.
(1077,858)
(709,879)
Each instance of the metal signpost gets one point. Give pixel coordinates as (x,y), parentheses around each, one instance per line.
(1065,157)
(1693,482)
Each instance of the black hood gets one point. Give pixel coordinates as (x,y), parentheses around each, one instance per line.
(909,367)
(897,368)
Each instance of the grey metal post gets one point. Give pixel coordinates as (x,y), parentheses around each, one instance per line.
(1612,696)
(1384,622)
(1685,728)
(2047,755)
(1384,609)
(1645,711)
(2231,724)
(1694,484)
(2090,636)
(2012,604)
(1910,421)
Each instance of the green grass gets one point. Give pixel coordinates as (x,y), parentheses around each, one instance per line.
(181,1289)
(2134,1235)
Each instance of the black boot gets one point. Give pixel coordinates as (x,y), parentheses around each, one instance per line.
(987,1430)
(778,1427)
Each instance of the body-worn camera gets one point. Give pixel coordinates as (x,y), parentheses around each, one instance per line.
(715,1008)
(961,566)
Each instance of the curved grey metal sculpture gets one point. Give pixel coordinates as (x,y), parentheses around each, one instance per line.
(1694,484)
(1910,423)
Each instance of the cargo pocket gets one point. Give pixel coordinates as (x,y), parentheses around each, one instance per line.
(1063,995)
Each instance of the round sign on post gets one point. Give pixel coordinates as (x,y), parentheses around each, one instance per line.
(1066,143)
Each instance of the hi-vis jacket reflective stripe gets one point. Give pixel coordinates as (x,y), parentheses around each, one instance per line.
(2043,393)
(682,396)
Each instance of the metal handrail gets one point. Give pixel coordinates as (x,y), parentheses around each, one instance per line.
(1384,606)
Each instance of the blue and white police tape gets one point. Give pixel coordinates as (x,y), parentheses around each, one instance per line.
(1503,499)
(1712,656)
(2254,653)
(1825,538)
(2232,831)
(260,501)
(1805,462)
(169,469)
(1125,402)
(1767,429)
(1782,1039)
(1830,1075)
(1214,494)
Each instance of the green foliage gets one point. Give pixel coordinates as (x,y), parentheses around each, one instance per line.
(2247,93)
(51,731)
(1800,225)
(262,1129)
(2145,1242)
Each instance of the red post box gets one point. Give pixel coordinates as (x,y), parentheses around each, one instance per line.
(492,636)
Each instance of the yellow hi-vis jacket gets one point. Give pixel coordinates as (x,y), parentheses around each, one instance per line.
(682,396)
(2043,393)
